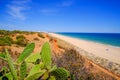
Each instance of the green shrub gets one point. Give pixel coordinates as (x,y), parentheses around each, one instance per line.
(6,40)
(3,42)
(20,36)
(21,40)
(4,32)
(7,32)
(17,31)
(9,39)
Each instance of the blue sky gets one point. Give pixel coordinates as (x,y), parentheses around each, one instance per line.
(61,15)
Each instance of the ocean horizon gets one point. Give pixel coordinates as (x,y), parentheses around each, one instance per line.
(112,39)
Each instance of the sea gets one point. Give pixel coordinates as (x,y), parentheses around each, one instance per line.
(112,39)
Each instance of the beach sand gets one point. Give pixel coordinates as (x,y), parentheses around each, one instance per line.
(101,50)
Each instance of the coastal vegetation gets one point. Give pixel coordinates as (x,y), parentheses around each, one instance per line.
(7,32)
(6,40)
(28,68)
(63,57)
(21,40)
(40,35)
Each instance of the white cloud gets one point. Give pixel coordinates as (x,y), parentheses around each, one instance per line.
(56,8)
(17,7)
(16,12)
(19,2)
(65,4)
(47,11)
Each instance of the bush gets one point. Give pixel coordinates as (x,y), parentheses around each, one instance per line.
(17,31)
(51,39)
(36,39)
(21,40)
(41,35)
(72,61)
(3,42)
(4,32)
(6,40)
(9,39)
(20,36)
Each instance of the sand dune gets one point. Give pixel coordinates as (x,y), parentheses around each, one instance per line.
(101,50)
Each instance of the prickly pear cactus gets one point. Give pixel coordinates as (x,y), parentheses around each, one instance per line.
(2,56)
(46,55)
(11,66)
(23,70)
(33,57)
(7,75)
(52,78)
(60,74)
(72,77)
(35,69)
(26,52)
(45,76)
(35,76)
(53,68)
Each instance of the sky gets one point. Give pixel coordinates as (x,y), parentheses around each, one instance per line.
(101,16)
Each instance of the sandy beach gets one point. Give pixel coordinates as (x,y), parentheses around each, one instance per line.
(101,50)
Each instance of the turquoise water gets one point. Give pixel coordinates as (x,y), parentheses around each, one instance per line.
(105,38)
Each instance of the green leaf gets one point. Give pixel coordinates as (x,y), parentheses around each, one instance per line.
(72,77)
(2,56)
(33,57)
(53,68)
(23,70)
(26,52)
(42,65)
(35,69)
(35,75)
(3,71)
(45,76)
(52,78)
(46,55)
(29,66)
(11,66)
(60,73)
(9,76)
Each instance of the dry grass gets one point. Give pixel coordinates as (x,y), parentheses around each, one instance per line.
(81,67)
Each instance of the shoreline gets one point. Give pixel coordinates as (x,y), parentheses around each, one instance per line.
(112,53)
(101,43)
